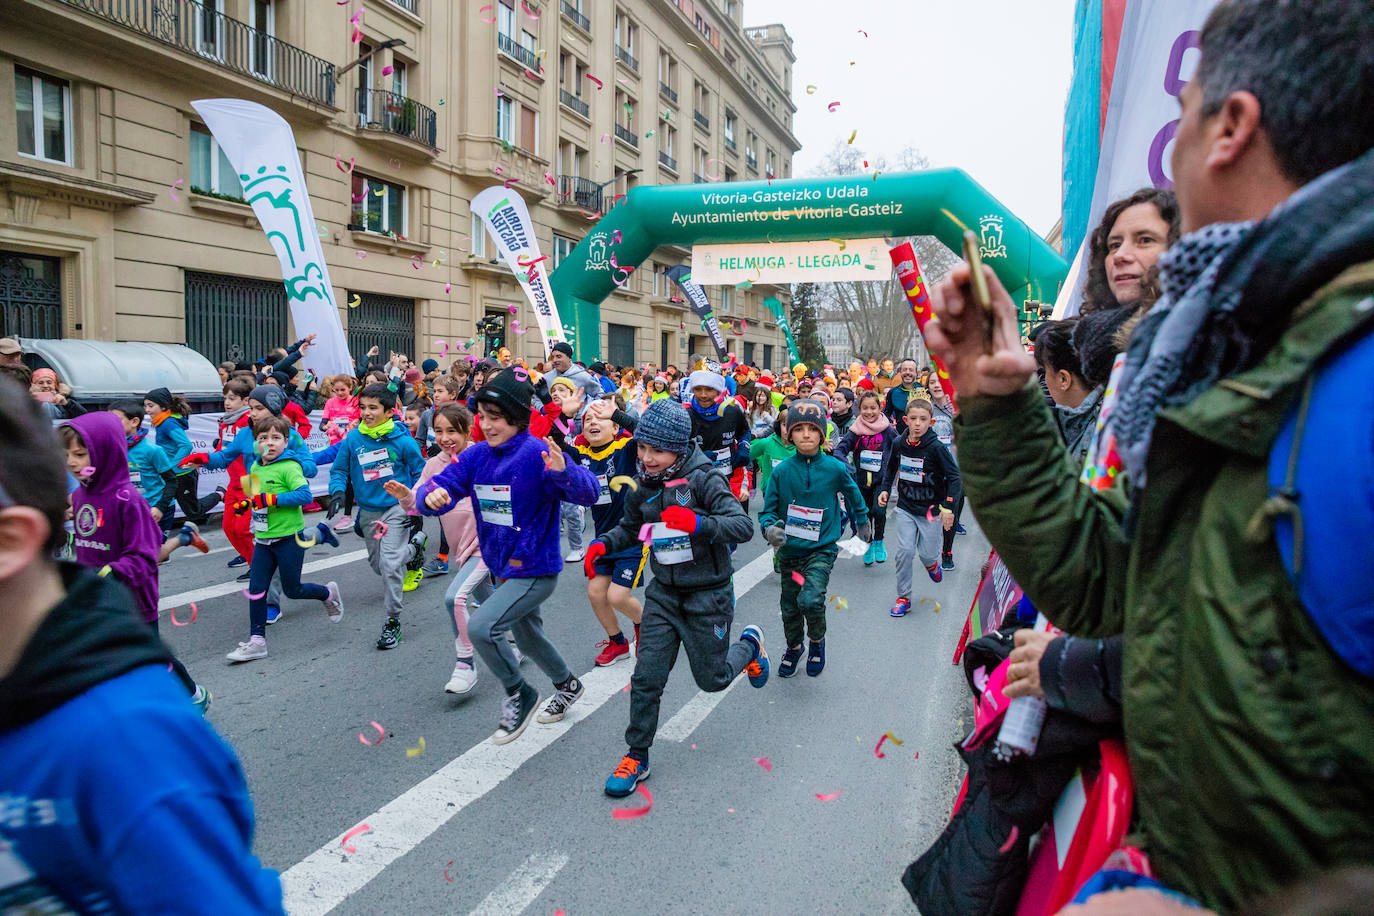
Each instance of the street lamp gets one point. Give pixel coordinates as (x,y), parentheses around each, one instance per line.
(389,43)
(618,177)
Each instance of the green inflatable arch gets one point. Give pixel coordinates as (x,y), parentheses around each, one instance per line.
(939,202)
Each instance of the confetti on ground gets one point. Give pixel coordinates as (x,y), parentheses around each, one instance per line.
(877,752)
(361,828)
(918,756)
(894,739)
(418,750)
(840,603)
(446,868)
(831,797)
(381,735)
(625,814)
(932,601)
(765,763)
(798,578)
(172,190)
(188,621)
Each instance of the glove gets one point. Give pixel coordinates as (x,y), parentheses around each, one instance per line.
(335,505)
(775,535)
(264,500)
(680,518)
(865,531)
(242,505)
(194,460)
(595,551)
(553,410)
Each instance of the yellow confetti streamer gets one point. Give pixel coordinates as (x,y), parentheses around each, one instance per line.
(619,483)
(417,751)
(356,301)
(853,135)
(810,90)
(893,738)
(932,601)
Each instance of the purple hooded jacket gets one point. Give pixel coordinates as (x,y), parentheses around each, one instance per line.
(114,524)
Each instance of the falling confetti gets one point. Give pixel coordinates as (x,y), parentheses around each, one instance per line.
(810,90)
(625,814)
(418,750)
(797,578)
(853,135)
(620,482)
(936,609)
(190,620)
(381,735)
(833,105)
(172,190)
(356,301)
(765,763)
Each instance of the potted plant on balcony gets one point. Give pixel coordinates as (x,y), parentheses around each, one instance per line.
(409,116)
(357,221)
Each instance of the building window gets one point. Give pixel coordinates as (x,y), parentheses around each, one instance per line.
(748,353)
(727,300)
(768,356)
(43,116)
(479,236)
(730,127)
(505,119)
(562,247)
(210,169)
(620,344)
(505,19)
(529,128)
(399,72)
(379,206)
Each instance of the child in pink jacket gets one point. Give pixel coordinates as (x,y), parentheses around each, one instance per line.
(341,410)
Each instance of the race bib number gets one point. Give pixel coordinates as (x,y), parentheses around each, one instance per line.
(778,461)
(870,460)
(912,469)
(259,521)
(376,464)
(671,546)
(341,423)
(493,501)
(135,477)
(804,523)
(605,485)
(721,459)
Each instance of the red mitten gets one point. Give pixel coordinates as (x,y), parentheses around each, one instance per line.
(243,505)
(681,518)
(194,460)
(540,424)
(264,500)
(595,551)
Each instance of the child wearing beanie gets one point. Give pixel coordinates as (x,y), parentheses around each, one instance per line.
(801,517)
(720,428)
(694,520)
(515,483)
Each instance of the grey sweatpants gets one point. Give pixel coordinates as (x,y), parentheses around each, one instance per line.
(917,536)
(388,555)
(514,606)
(699,621)
(572,524)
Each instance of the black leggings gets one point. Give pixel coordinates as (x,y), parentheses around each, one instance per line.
(949,535)
(876,513)
(196,510)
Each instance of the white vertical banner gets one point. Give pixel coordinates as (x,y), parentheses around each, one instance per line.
(508,220)
(1156,59)
(260,146)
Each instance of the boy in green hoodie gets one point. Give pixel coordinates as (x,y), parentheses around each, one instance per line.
(801,517)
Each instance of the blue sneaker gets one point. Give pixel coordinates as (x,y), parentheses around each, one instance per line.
(868,554)
(273,614)
(960,529)
(630,773)
(790,658)
(815,659)
(758,668)
(202,699)
(879,552)
(326,536)
(902,607)
(236,562)
(933,570)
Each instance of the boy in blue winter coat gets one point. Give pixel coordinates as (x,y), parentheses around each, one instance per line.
(150,470)
(375,452)
(515,482)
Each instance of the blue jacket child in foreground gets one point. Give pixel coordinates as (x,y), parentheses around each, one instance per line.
(516,483)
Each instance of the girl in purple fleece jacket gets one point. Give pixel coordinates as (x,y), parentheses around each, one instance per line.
(515,482)
(115,530)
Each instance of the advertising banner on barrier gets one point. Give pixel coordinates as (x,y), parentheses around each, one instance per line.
(262,149)
(701,306)
(203,428)
(508,220)
(997,596)
(823,261)
(774,306)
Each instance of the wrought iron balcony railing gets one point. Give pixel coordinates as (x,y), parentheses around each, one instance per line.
(626,58)
(582,192)
(397,114)
(667,161)
(668,92)
(629,136)
(509,46)
(574,102)
(702,121)
(573,13)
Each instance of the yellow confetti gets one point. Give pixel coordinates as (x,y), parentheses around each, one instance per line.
(252,485)
(810,90)
(356,301)
(932,601)
(893,738)
(417,751)
(619,483)
(307,543)
(840,242)
(853,135)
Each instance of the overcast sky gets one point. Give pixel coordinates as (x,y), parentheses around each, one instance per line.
(978,84)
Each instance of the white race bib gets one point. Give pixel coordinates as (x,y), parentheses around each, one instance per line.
(341,423)
(671,546)
(778,461)
(135,476)
(376,464)
(605,485)
(259,521)
(870,460)
(494,503)
(804,523)
(721,459)
(912,469)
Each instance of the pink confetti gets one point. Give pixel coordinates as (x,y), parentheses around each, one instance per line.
(388,70)
(511,308)
(483,10)
(646,531)
(798,578)
(831,797)
(381,529)
(763,762)
(549,179)
(876,752)
(443,348)
(361,828)
(178,623)
(416,262)
(533,14)
(625,814)
(1011,840)
(516,327)
(599,84)
(361,255)
(338,161)
(615,237)
(381,735)
(358,15)
(833,105)
(448,286)
(510,181)
(172,190)
(918,756)
(87,471)
(254,597)
(694,747)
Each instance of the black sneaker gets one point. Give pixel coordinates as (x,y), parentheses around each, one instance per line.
(243,577)
(236,562)
(946,561)
(790,658)
(516,712)
(815,659)
(560,701)
(391,634)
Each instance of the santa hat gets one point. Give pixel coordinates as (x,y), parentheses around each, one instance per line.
(765,381)
(865,383)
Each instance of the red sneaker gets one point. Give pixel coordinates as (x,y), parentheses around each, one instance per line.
(190,535)
(612,652)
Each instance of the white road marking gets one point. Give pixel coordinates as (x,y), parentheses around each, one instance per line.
(181,599)
(523,887)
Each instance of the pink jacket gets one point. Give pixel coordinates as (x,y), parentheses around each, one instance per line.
(459,524)
(339,415)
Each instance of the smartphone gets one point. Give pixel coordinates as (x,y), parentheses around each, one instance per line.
(979,285)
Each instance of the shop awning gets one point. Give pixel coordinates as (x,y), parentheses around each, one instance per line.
(101,370)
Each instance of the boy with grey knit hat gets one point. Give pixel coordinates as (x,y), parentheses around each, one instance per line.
(685,511)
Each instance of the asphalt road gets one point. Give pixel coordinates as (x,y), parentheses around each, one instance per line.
(465,826)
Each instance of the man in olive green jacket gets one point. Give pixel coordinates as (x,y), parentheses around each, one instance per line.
(1250,737)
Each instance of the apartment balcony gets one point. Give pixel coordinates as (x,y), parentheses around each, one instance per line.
(410,6)
(730,145)
(579,192)
(574,15)
(697,179)
(626,58)
(627,136)
(208,35)
(668,162)
(702,121)
(668,92)
(752,161)
(397,116)
(521,54)
(575,103)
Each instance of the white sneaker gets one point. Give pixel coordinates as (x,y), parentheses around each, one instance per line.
(575,556)
(248,651)
(463,678)
(333,605)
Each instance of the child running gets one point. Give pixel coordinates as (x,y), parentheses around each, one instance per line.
(926,477)
(341,415)
(168,414)
(865,444)
(515,483)
(150,471)
(720,429)
(801,517)
(690,603)
(277,521)
(379,450)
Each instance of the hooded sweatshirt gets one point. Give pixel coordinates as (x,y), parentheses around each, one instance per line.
(864,445)
(515,499)
(339,415)
(114,781)
(113,523)
(242,451)
(801,496)
(371,461)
